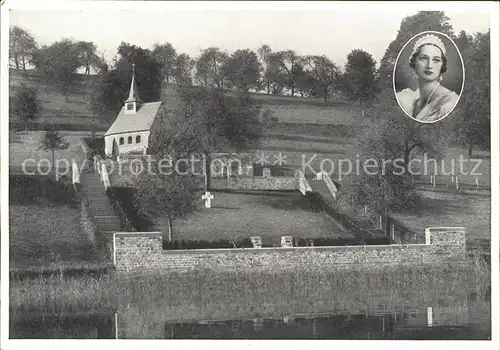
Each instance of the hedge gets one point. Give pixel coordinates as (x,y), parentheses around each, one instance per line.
(267,243)
(201,244)
(328,241)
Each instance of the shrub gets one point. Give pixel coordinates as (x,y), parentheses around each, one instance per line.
(96,146)
(39,189)
(123,196)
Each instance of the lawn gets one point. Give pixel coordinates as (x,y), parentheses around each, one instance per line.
(478,166)
(301,113)
(472,211)
(45,231)
(25,146)
(42,236)
(332,146)
(253,213)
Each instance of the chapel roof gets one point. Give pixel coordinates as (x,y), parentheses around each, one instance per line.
(139,121)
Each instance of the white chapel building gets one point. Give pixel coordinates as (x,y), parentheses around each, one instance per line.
(132,128)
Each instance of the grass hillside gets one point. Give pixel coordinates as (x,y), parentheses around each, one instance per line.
(56,108)
(75,109)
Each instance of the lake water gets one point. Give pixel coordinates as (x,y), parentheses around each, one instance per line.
(459,320)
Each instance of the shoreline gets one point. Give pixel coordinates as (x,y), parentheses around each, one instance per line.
(301,286)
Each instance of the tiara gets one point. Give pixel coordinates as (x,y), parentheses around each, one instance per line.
(429,39)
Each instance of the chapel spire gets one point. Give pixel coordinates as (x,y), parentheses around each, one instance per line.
(133,97)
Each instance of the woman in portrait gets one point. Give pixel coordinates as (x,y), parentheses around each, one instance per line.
(431,101)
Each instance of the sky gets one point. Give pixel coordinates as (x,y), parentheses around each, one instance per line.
(331,31)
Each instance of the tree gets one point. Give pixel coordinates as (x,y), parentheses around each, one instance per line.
(58,64)
(147,71)
(325,72)
(389,140)
(22,45)
(209,67)
(411,26)
(473,122)
(160,195)
(464,43)
(408,134)
(112,90)
(166,56)
(242,70)
(360,78)
(25,105)
(290,68)
(88,55)
(306,82)
(183,70)
(53,141)
(269,70)
(210,121)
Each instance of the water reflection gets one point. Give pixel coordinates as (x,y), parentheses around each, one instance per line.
(63,327)
(381,326)
(414,323)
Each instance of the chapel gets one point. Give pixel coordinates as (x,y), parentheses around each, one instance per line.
(132,128)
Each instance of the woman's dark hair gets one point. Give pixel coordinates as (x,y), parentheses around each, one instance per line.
(415,54)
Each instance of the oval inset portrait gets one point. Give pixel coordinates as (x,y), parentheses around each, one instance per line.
(428,77)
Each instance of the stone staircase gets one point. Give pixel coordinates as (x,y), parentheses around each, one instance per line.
(101,209)
(320,188)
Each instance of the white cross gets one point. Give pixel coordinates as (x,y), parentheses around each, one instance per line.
(208,199)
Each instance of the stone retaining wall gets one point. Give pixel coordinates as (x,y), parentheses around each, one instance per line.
(254,183)
(143,250)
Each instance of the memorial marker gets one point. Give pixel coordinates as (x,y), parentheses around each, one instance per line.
(208,199)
